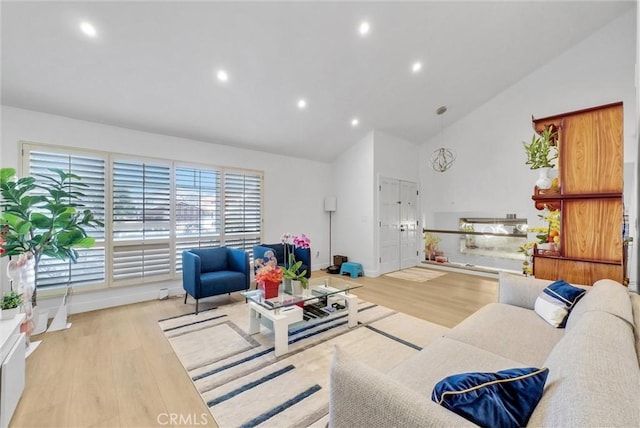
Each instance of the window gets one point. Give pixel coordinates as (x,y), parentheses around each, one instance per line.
(90,267)
(153,210)
(242,209)
(141,219)
(198,210)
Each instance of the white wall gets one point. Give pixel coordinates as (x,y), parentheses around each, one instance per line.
(393,158)
(293,189)
(353,220)
(355,180)
(489,173)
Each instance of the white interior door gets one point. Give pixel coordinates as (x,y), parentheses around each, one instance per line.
(408,224)
(389,224)
(398,208)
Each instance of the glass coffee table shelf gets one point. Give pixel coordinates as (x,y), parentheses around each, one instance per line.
(324,298)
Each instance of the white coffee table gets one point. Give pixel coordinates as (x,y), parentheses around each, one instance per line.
(283,311)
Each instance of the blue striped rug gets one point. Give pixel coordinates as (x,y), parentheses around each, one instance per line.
(245,385)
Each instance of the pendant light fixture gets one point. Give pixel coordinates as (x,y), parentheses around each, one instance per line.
(442,158)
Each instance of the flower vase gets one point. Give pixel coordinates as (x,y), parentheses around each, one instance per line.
(22,273)
(296,287)
(543,182)
(306,291)
(287,286)
(270,289)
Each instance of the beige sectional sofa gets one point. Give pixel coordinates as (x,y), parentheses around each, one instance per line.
(594,371)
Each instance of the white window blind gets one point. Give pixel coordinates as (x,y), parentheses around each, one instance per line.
(198,217)
(141,219)
(156,211)
(90,266)
(242,209)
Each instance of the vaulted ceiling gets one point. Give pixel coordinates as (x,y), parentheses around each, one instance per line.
(154,66)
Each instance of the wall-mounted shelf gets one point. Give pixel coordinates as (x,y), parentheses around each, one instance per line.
(463,232)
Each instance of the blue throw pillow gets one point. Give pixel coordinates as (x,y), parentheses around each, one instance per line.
(502,399)
(565,292)
(556,301)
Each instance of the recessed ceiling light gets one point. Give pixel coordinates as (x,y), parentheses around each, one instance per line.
(222,75)
(302,103)
(88,29)
(364,28)
(355,122)
(416,66)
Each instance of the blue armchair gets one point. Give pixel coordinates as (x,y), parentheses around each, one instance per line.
(211,271)
(301,254)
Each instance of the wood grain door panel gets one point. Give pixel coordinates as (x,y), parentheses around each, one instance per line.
(592,229)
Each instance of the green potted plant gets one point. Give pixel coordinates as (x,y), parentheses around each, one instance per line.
(292,267)
(542,153)
(10,305)
(291,272)
(43,216)
(431,245)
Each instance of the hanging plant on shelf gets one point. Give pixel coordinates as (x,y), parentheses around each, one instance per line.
(543,150)
(547,239)
(541,155)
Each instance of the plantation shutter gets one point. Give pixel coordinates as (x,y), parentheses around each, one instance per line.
(242,209)
(141,218)
(198,208)
(153,210)
(90,266)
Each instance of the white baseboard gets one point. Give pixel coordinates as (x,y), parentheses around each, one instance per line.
(117,296)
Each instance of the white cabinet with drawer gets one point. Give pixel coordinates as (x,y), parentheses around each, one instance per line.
(12,372)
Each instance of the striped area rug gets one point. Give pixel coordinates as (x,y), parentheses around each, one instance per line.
(245,385)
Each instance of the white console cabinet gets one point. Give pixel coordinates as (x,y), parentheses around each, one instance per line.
(12,372)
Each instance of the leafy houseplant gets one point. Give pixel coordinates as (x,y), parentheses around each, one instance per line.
(548,238)
(542,151)
(42,216)
(431,245)
(291,272)
(11,300)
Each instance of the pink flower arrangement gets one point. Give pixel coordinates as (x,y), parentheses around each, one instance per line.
(298,241)
(292,267)
(3,232)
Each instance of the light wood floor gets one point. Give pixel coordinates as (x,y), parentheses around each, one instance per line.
(114,367)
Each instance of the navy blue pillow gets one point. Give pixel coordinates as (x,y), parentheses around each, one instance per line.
(502,399)
(565,292)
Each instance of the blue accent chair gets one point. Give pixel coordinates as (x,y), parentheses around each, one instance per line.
(211,271)
(301,254)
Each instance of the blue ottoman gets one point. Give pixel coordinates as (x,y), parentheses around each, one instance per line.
(353,269)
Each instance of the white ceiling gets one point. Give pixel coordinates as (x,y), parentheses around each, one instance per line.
(152,65)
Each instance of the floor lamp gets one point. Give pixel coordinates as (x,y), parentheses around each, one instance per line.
(330,205)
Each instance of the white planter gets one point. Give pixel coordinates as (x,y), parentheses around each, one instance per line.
(297,287)
(287,287)
(543,182)
(8,314)
(40,319)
